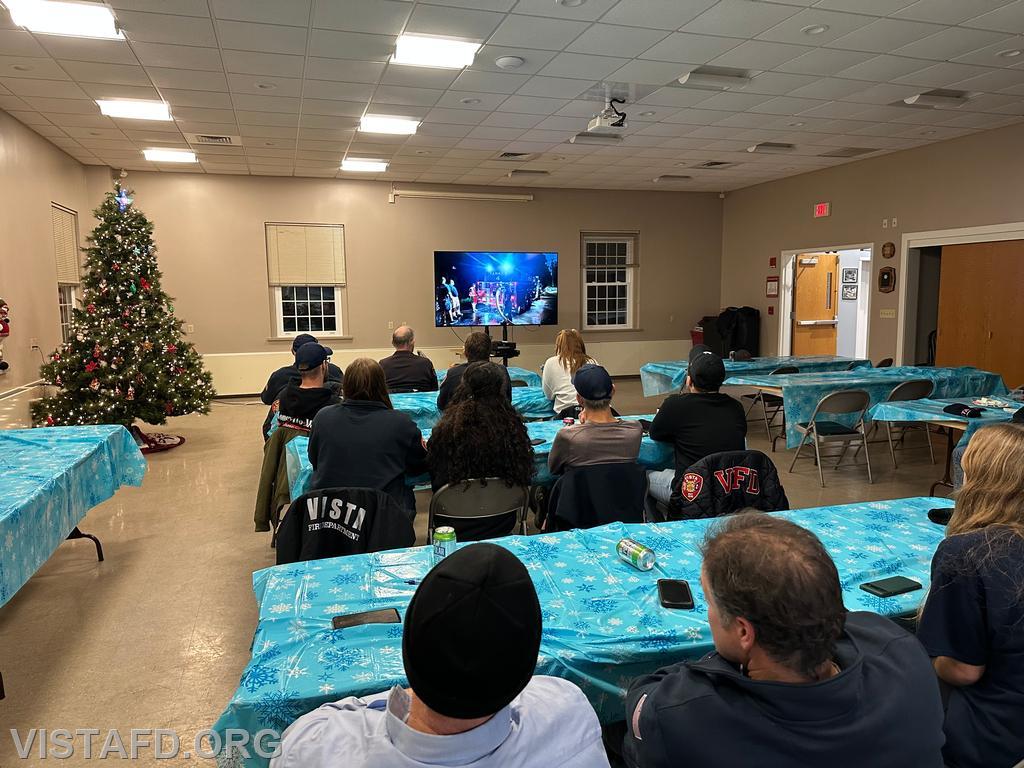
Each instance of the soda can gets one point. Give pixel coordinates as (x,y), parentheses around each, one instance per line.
(636,554)
(443,542)
(568,421)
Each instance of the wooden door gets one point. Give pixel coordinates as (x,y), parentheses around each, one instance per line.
(815,303)
(981,312)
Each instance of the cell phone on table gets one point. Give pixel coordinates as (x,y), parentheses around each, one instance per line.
(382,616)
(895,585)
(675,593)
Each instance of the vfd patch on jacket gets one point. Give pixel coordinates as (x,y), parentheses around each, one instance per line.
(739,479)
(691,485)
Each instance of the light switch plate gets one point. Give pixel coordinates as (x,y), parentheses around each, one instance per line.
(887,314)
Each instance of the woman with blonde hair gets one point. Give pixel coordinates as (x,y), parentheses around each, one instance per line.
(972,623)
(556,380)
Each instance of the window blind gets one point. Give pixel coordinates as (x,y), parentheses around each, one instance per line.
(306,254)
(65,244)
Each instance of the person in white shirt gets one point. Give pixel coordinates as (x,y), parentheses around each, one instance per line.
(556,377)
(470,643)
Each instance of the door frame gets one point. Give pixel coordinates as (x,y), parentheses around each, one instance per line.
(908,286)
(787,273)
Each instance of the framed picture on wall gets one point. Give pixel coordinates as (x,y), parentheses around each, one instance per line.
(850,275)
(849,292)
(771,286)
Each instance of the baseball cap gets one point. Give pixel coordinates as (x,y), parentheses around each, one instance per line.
(697,349)
(592,382)
(302,338)
(472,632)
(310,355)
(707,372)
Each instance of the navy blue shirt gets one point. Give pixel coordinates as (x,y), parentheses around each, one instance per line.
(975,614)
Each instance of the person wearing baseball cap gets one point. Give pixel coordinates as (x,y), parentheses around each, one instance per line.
(289,374)
(698,423)
(470,642)
(600,437)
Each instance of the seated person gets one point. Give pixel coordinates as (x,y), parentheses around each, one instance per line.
(405,370)
(289,374)
(477,349)
(599,438)
(363,442)
(956,461)
(795,680)
(698,423)
(470,643)
(480,435)
(556,375)
(299,402)
(972,624)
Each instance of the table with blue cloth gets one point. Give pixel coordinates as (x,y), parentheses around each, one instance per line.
(653,455)
(51,478)
(669,376)
(530,402)
(603,624)
(801,392)
(532,378)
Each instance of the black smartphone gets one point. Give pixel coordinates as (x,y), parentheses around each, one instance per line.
(894,585)
(675,593)
(537,441)
(382,616)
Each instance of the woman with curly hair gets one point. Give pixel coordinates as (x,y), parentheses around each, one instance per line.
(480,435)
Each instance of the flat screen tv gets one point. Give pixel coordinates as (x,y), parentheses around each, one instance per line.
(495,288)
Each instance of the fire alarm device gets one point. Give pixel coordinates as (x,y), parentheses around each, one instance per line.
(773,262)
(771,309)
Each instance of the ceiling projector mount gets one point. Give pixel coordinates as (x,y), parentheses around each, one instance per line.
(610,120)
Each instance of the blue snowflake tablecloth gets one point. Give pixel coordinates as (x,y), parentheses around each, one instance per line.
(603,624)
(931,410)
(422,406)
(803,391)
(669,376)
(532,378)
(50,478)
(652,455)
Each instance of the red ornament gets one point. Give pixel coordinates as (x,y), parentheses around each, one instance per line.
(115,265)
(55,357)
(170,349)
(91,366)
(49,421)
(126,313)
(96,350)
(90,308)
(144,283)
(169,407)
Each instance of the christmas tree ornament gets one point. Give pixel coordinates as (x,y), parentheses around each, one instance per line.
(90,308)
(79,337)
(123,199)
(94,384)
(90,366)
(147,345)
(131,393)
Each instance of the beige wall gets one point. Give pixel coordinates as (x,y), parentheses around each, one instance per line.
(33,173)
(973,181)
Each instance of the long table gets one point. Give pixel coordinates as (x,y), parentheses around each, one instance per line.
(530,402)
(51,478)
(603,624)
(801,392)
(532,378)
(653,455)
(670,375)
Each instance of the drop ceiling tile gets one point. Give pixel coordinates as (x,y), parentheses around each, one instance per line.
(340,132)
(453,22)
(993,80)
(379,17)
(739,18)
(611,40)
(109,91)
(188,79)
(335,91)
(734,101)
(829,89)
(885,93)
(57,89)
(489,82)
(444,130)
(269,132)
(747,120)
(27,116)
(486,102)
(778,83)
(262,85)
(824,61)
(346,70)
(942,75)
(533,105)
(883,68)
(885,35)
(948,11)
(483,5)
(555,87)
(316,121)
(268,38)
(492,132)
(35,67)
(265,103)
(18,42)
(786,105)
(1009,18)
(292,12)
(648,72)
(165,28)
(202,114)
(582,66)
(686,48)
(394,110)
(526,31)
(588,11)
(697,116)
(419,77)
(350,45)
(402,95)
(178,56)
(953,42)
(207,99)
(49,131)
(656,14)
(255,63)
(451,116)
(153,137)
(512,120)
(759,54)
(676,97)
(837,24)
(216,129)
(85,49)
(533,60)
(119,74)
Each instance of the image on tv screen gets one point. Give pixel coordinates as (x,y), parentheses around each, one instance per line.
(495,288)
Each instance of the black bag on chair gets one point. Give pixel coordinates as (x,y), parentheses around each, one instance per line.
(727,482)
(594,495)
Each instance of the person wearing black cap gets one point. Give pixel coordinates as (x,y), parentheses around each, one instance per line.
(470,642)
(701,422)
(599,438)
(288,374)
(299,403)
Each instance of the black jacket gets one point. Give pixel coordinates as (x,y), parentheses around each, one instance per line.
(882,710)
(282,377)
(342,521)
(699,424)
(409,372)
(365,444)
(597,494)
(727,482)
(297,406)
(454,376)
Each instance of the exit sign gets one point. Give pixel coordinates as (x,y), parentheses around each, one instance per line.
(822,209)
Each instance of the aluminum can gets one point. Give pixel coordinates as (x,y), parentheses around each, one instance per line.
(636,554)
(443,542)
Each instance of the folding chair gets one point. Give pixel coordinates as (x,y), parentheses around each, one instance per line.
(909,390)
(775,402)
(847,401)
(479,499)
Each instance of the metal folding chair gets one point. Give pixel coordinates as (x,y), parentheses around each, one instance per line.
(847,401)
(768,400)
(477,499)
(909,390)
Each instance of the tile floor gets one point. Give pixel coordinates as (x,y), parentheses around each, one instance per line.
(157,636)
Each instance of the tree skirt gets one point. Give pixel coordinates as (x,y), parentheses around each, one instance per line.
(155,442)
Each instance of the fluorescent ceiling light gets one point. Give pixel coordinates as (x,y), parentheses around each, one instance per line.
(595,138)
(387,124)
(50,17)
(364,166)
(714,82)
(935,100)
(169,155)
(135,110)
(425,51)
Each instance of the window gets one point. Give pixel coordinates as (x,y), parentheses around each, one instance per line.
(609,274)
(65,251)
(306,270)
(65,302)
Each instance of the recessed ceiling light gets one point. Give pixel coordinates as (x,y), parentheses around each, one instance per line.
(22,67)
(469,101)
(794,125)
(269,144)
(426,51)
(50,17)
(266,86)
(364,166)
(648,114)
(387,124)
(1011,54)
(169,155)
(509,62)
(815,29)
(570,3)
(135,110)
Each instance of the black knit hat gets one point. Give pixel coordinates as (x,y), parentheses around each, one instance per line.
(472,633)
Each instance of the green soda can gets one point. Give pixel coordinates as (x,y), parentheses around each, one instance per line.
(636,554)
(444,542)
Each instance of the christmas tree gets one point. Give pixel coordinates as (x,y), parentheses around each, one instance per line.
(125,359)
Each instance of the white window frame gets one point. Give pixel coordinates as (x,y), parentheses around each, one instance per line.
(339,298)
(65,326)
(631,267)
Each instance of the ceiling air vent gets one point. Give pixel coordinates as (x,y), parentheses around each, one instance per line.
(716,164)
(848,152)
(772,147)
(520,157)
(525,173)
(670,177)
(938,98)
(213,139)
